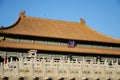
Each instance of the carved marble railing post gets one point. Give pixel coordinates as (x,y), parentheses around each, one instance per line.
(52,62)
(45,72)
(80,71)
(106,63)
(22,74)
(43,62)
(117,71)
(32,67)
(92,68)
(69,72)
(57,70)
(11,60)
(62,62)
(17,68)
(2,70)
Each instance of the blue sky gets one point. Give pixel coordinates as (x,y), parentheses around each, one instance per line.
(101,15)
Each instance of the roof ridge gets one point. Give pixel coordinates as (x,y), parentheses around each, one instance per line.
(51,20)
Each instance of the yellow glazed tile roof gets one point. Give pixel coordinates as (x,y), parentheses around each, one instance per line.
(56,29)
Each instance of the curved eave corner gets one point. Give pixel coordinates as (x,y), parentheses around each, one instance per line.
(107,38)
(21,15)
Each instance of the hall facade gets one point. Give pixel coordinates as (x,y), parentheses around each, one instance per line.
(56,38)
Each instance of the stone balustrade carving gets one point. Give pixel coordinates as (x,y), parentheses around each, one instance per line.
(59,69)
